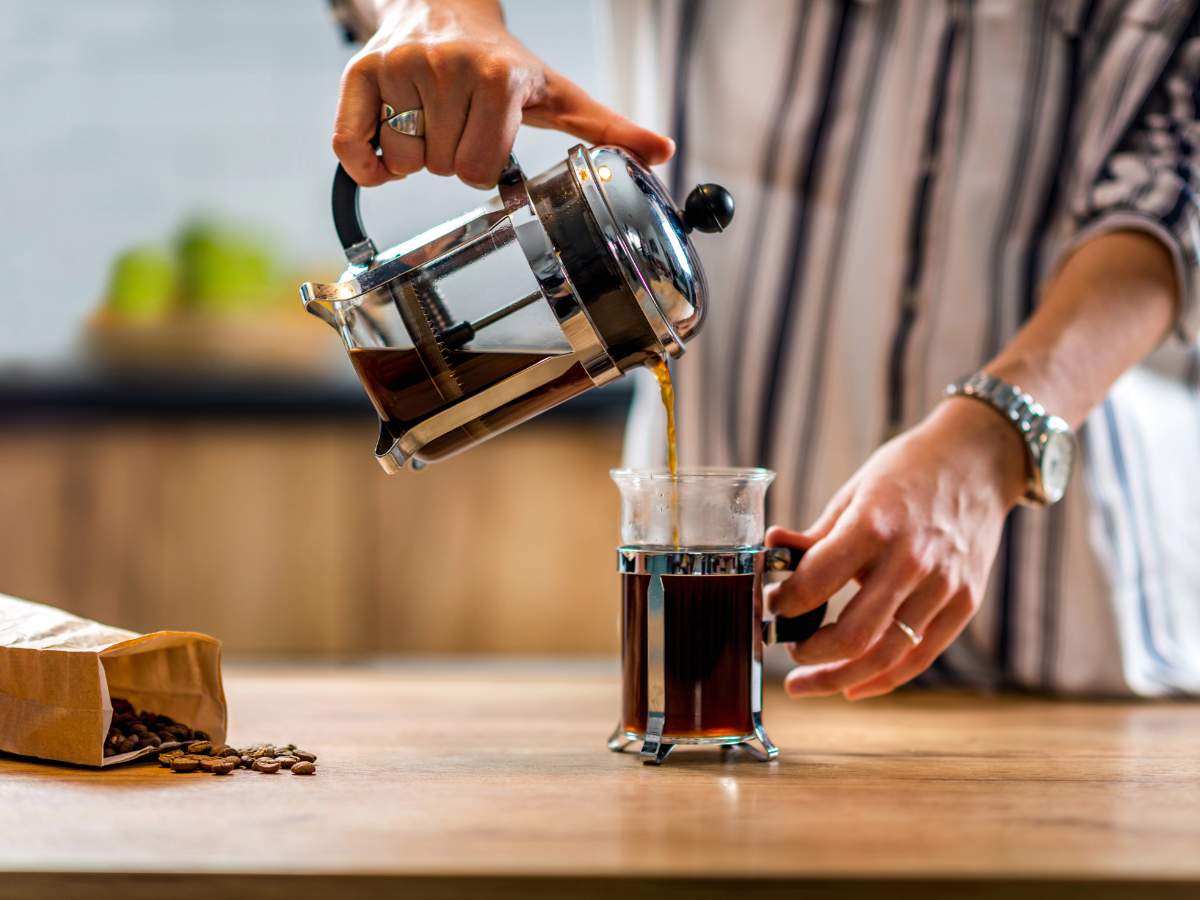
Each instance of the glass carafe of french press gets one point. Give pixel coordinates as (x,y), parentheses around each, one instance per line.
(692,563)
(560,283)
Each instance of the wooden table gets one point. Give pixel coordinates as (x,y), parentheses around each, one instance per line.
(490,779)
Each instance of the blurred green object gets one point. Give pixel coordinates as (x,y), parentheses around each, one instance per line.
(142,284)
(224,269)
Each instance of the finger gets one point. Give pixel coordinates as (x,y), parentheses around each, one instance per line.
(833,510)
(356,122)
(940,634)
(866,617)
(568,107)
(445,118)
(917,612)
(487,140)
(778,536)
(403,154)
(828,565)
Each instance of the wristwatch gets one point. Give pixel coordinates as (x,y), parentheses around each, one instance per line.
(1049,442)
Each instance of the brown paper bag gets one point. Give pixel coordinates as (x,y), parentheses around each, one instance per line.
(59,673)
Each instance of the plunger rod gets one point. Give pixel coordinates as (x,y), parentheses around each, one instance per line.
(459,334)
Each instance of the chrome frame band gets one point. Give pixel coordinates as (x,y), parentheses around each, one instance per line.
(732,561)
(656,678)
(588,180)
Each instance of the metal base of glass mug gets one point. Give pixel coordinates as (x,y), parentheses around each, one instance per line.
(655,749)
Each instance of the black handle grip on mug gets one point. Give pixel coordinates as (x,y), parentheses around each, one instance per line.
(790,629)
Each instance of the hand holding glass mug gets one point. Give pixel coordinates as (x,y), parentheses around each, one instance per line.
(473,84)
(917,527)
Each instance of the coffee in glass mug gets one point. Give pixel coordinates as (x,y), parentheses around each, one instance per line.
(692,630)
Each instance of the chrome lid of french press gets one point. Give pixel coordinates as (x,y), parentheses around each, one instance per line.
(646,236)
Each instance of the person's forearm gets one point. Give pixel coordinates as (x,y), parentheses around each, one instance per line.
(1107,308)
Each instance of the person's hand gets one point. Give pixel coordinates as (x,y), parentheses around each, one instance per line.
(476,83)
(918,527)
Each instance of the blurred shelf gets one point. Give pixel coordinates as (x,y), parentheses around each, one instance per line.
(72,394)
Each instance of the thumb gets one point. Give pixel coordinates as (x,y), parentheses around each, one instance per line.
(567,107)
(777,536)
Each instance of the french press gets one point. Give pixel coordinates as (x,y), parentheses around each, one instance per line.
(559,283)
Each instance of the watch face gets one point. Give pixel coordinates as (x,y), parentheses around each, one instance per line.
(1058,458)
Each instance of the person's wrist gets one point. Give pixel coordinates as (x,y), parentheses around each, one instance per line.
(985,441)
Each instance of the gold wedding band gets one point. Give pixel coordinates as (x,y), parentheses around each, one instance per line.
(409,121)
(909,632)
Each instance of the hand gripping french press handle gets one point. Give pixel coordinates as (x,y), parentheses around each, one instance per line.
(790,629)
(347,218)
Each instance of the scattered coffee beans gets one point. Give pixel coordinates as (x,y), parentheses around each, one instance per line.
(183,749)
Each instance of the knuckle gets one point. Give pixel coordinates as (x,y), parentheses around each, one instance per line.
(405,58)
(342,142)
(438,164)
(361,65)
(499,73)
(853,642)
(474,171)
(941,582)
(876,525)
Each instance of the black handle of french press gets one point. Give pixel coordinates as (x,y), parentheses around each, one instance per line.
(794,629)
(346,216)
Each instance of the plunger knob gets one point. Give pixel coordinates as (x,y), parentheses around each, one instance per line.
(709,208)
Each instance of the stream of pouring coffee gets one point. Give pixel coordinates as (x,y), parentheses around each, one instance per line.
(663,373)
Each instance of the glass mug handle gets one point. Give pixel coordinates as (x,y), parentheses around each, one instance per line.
(790,629)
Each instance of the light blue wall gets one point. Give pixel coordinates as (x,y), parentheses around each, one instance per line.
(120,118)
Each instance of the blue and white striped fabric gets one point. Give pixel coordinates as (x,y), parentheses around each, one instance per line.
(907,176)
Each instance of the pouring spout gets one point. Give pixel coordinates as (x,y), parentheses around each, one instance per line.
(317,301)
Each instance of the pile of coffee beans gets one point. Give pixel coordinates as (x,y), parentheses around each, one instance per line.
(132,730)
(184,749)
(221,759)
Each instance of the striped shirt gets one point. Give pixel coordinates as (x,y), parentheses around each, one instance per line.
(908,174)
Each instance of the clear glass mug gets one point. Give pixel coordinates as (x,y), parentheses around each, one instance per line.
(692,562)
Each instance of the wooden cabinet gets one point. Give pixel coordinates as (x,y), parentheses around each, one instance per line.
(287,538)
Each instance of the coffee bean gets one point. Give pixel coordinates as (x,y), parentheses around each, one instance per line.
(138,728)
(207,763)
(169,745)
(109,751)
(286,762)
(304,767)
(185,764)
(266,765)
(128,745)
(121,705)
(305,755)
(223,766)
(201,735)
(246,762)
(200,748)
(164,759)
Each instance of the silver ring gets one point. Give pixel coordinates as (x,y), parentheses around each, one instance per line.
(409,121)
(909,632)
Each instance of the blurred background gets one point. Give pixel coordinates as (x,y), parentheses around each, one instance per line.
(181,446)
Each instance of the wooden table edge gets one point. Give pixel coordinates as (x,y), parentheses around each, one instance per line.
(303,886)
